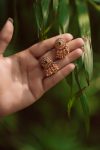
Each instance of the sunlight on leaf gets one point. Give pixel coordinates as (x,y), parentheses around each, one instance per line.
(63,15)
(84,23)
(88,59)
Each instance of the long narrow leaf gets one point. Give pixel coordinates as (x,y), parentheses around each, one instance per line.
(85,31)
(45,10)
(38,16)
(82,96)
(63,15)
(84,103)
(55,6)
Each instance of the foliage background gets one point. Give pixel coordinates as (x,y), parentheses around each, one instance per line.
(45,125)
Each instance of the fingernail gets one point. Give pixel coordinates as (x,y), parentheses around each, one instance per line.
(11,20)
(70,35)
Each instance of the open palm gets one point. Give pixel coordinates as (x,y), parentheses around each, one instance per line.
(22,80)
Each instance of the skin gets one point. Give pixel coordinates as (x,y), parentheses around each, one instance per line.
(22,80)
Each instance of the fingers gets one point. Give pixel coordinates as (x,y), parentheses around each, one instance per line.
(54,79)
(70,58)
(74,44)
(65,65)
(6,35)
(42,47)
(75,53)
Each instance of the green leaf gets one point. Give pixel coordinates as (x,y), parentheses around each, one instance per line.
(45,10)
(70,104)
(84,103)
(63,15)
(85,108)
(88,59)
(73,98)
(77,77)
(38,16)
(85,31)
(55,6)
(83,17)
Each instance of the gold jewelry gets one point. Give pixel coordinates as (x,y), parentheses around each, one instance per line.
(49,66)
(62,49)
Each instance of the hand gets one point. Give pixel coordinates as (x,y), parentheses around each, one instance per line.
(22,80)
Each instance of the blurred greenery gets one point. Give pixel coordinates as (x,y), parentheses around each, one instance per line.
(45,125)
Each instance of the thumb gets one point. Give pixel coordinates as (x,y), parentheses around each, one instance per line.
(6,35)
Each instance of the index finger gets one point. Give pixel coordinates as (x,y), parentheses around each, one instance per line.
(42,47)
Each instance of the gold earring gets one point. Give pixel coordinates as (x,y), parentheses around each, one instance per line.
(49,66)
(62,49)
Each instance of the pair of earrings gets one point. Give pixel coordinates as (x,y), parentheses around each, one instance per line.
(48,65)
